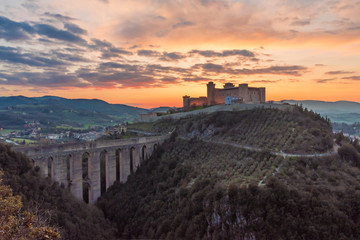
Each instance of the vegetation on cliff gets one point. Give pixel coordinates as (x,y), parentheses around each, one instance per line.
(73,218)
(18,224)
(192,189)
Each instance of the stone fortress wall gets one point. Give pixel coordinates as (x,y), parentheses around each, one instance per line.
(242,93)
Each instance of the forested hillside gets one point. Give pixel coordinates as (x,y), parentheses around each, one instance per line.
(53,111)
(192,189)
(73,218)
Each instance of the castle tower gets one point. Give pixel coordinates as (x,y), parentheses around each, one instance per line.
(244,92)
(262,95)
(186,101)
(210,93)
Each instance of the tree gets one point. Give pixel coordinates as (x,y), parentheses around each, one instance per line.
(18,224)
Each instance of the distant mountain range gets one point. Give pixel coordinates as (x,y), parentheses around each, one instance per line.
(340,111)
(53,111)
(56,111)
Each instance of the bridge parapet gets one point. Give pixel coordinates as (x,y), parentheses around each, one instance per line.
(73,147)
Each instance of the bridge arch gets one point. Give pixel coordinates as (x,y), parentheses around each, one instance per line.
(143,153)
(50,167)
(132,157)
(103,171)
(118,164)
(85,162)
(69,170)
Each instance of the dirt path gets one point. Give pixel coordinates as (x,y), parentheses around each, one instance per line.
(276,153)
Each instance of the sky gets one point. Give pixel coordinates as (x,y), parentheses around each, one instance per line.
(149,53)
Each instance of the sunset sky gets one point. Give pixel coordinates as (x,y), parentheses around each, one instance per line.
(149,53)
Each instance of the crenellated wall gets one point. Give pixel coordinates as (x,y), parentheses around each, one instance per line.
(65,163)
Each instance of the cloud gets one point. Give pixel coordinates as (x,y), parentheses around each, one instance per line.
(165,56)
(14,55)
(264,81)
(278,70)
(301,22)
(159,69)
(172,56)
(182,23)
(30,5)
(196,79)
(54,33)
(244,53)
(212,67)
(59,17)
(168,80)
(100,44)
(160,18)
(117,79)
(114,53)
(135,46)
(354,78)
(354,28)
(107,49)
(43,80)
(225,53)
(113,65)
(326,80)
(74,28)
(338,72)
(70,56)
(13,31)
(148,53)
(281,70)
(133,29)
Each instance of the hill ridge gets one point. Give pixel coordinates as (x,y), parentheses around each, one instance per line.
(52,111)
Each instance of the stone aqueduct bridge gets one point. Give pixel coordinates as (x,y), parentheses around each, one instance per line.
(88,169)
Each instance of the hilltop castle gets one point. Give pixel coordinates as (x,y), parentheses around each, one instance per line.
(228,94)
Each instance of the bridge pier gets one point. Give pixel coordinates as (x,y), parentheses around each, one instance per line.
(76,185)
(111,168)
(60,169)
(125,164)
(94,177)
